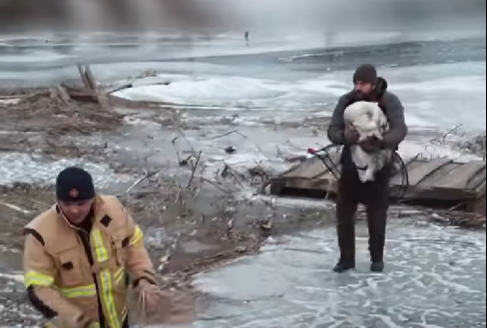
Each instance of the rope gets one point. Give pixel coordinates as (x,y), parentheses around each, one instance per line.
(399,167)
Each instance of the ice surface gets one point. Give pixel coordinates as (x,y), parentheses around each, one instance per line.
(435,278)
(430,99)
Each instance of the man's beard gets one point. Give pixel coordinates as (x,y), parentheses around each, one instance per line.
(360,96)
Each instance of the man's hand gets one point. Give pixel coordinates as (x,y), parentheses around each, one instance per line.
(352,136)
(371,145)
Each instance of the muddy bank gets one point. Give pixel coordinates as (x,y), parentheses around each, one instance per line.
(39,121)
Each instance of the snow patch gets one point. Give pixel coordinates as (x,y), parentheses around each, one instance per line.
(33,169)
(411,149)
(19,277)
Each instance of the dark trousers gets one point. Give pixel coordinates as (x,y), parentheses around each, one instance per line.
(375,196)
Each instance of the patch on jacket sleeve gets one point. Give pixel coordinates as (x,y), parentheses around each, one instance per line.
(35,234)
(106,221)
(67,266)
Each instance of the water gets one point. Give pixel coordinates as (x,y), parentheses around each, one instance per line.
(435,278)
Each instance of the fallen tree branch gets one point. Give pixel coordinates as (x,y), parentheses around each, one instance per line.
(120,88)
(194,169)
(229,133)
(147,175)
(216,185)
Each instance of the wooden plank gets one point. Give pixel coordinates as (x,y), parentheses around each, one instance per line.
(461,176)
(478,205)
(334,159)
(306,184)
(422,172)
(425,191)
(440,180)
(478,181)
(480,191)
(438,175)
(397,179)
(298,170)
(308,170)
(330,183)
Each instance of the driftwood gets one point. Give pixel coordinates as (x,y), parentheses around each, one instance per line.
(90,90)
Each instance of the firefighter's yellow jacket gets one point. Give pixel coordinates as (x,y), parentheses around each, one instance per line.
(70,272)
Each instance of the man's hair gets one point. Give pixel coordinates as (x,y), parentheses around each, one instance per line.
(365,73)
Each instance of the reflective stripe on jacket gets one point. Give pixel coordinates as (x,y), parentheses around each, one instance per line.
(71,278)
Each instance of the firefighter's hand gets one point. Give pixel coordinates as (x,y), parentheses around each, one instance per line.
(151,296)
(169,307)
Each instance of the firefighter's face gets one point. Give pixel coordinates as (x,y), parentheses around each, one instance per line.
(76,212)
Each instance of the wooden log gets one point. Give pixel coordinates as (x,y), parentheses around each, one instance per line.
(63,94)
(84,79)
(90,83)
(80,92)
(91,79)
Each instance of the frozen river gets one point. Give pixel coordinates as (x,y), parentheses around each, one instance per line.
(288,81)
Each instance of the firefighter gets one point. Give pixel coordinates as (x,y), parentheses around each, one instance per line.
(81,257)
(375,194)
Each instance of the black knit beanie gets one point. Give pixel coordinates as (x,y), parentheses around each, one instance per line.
(365,73)
(74,184)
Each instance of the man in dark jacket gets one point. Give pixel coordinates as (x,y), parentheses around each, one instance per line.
(374,195)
